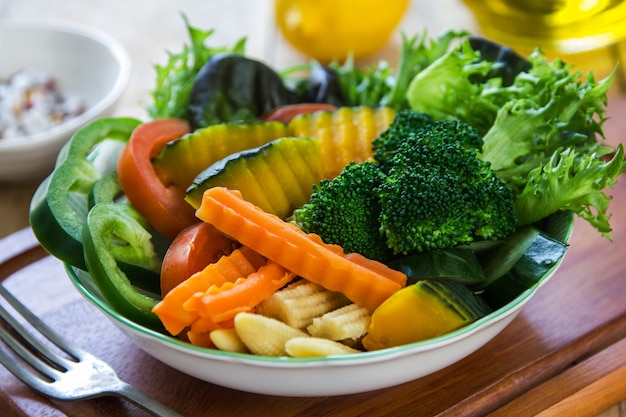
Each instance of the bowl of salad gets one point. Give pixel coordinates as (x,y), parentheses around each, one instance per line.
(46,93)
(296,239)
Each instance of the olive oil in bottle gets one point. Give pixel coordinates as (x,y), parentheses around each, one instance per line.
(591,34)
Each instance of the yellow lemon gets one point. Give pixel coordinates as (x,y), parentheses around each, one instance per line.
(330,29)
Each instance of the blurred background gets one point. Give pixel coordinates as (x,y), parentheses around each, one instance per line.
(149,28)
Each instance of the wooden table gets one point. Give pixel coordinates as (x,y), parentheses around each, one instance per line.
(564,355)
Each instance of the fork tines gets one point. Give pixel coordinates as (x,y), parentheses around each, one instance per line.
(49,364)
(37,354)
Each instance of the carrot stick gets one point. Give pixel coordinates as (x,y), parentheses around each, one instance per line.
(377,267)
(223,303)
(200,339)
(365,262)
(289,246)
(240,263)
(206,325)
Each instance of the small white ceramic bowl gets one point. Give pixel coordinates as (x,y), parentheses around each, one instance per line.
(85,63)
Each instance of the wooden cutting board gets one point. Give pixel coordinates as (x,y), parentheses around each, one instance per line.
(565,354)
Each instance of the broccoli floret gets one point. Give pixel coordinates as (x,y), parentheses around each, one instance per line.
(431,192)
(404,123)
(439,194)
(344,211)
(409,123)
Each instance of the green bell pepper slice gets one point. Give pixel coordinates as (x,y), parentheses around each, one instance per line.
(116,234)
(59,206)
(109,190)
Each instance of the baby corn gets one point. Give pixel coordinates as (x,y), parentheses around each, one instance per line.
(348,322)
(299,303)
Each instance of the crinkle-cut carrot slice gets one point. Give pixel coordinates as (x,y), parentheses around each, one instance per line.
(377,267)
(287,245)
(199,333)
(200,339)
(206,325)
(223,303)
(240,263)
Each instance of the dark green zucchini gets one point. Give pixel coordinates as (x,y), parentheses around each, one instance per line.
(519,263)
(460,265)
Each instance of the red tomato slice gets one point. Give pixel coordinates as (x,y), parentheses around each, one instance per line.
(163,206)
(287,112)
(191,251)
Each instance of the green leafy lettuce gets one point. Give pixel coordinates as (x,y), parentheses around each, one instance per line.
(175,78)
(382,84)
(542,132)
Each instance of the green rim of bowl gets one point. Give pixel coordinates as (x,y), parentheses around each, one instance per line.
(560,226)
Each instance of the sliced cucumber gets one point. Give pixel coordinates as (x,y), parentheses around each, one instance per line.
(500,260)
(278,177)
(460,265)
(520,263)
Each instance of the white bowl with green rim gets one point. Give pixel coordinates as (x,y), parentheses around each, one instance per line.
(327,376)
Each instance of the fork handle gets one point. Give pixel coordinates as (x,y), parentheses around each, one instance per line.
(144,401)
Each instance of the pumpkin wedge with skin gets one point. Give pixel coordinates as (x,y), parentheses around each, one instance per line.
(346,134)
(198,150)
(343,135)
(421,311)
(278,177)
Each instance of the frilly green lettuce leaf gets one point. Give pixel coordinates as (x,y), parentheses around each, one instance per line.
(175,78)
(571,181)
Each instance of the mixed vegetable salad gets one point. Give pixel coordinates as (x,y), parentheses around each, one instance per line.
(330,209)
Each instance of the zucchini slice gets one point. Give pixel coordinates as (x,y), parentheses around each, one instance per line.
(456,264)
(519,263)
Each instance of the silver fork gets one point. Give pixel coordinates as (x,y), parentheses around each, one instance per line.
(67,374)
